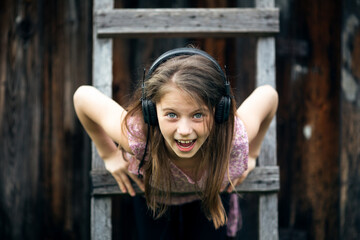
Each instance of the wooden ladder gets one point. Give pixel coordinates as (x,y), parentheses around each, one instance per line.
(262,21)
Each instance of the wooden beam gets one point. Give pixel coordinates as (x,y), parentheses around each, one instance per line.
(261,179)
(186,22)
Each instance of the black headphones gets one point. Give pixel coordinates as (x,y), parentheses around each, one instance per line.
(222,109)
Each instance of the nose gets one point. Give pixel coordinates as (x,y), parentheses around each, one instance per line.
(184,127)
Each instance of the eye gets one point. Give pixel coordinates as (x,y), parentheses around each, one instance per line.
(171,115)
(198,115)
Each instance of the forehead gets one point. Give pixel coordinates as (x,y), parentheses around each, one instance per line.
(178,99)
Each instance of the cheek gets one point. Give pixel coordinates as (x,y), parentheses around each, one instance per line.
(205,129)
(165,129)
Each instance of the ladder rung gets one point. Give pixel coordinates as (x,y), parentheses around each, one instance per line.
(186,22)
(261,179)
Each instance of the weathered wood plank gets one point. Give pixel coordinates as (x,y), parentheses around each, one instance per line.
(268,220)
(350,122)
(102,69)
(265,74)
(264,3)
(44,56)
(261,179)
(186,22)
(310,118)
(101,226)
(22,150)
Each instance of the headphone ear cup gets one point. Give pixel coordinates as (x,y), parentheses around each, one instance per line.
(145,111)
(149,112)
(222,110)
(153,120)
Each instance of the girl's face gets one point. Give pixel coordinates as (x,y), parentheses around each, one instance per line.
(183,124)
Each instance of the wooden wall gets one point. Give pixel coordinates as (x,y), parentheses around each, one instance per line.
(44,158)
(308,76)
(45,53)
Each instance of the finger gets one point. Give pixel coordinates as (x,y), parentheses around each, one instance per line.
(138,181)
(232,186)
(237,182)
(120,183)
(222,189)
(241,179)
(127,183)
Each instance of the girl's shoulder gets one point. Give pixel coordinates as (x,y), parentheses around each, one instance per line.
(240,150)
(240,146)
(136,135)
(240,130)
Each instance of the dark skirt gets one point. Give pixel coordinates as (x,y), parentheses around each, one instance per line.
(186,221)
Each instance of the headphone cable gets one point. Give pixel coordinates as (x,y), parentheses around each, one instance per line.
(143,158)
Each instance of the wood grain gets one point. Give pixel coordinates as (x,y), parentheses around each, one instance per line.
(219,22)
(261,179)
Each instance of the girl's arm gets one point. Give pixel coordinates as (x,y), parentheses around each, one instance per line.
(256,112)
(102,119)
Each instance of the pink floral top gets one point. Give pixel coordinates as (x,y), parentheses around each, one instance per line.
(183,183)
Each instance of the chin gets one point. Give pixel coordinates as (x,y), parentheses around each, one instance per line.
(185,155)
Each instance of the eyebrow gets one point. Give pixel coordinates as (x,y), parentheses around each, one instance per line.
(195,111)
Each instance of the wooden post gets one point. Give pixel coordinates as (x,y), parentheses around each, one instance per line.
(350,122)
(265,74)
(102,79)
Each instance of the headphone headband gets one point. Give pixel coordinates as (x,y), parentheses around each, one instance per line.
(180,52)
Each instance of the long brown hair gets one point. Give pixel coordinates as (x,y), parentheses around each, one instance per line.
(199,78)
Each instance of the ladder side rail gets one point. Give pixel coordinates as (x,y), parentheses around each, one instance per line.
(265,74)
(100,220)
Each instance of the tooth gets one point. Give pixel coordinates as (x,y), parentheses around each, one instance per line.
(181,141)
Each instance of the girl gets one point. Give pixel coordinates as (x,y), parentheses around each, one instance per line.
(184,135)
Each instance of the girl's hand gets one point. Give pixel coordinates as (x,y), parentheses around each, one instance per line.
(238,181)
(118,167)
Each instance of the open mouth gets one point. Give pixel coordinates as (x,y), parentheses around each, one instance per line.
(185,145)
